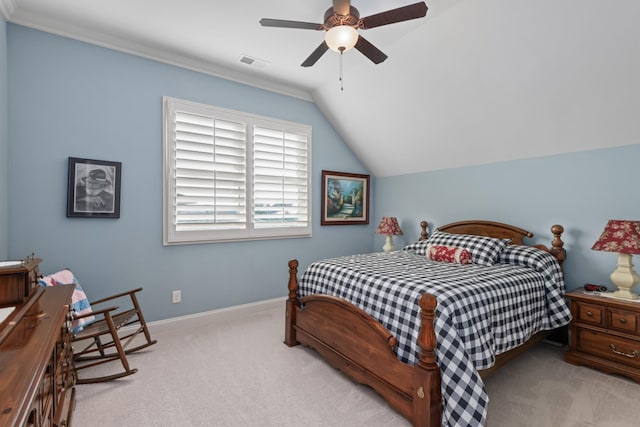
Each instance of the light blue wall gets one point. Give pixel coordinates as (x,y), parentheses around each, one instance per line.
(580,191)
(3,139)
(68,98)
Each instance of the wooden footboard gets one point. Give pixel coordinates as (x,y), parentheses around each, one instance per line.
(356,344)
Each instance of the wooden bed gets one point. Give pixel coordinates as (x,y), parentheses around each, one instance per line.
(355,343)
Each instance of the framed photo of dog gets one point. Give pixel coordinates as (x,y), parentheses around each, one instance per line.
(93,189)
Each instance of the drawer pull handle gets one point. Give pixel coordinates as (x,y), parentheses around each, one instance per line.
(589,314)
(623,320)
(631,355)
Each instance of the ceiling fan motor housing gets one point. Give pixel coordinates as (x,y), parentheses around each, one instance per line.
(332,19)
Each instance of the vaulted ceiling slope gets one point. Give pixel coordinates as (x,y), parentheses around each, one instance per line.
(474,82)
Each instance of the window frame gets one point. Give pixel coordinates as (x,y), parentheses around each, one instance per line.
(172,236)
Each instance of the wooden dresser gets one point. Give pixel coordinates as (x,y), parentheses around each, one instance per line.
(37,384)
(605,334)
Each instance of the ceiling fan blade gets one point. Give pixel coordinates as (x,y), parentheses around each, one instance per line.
(281,23)
(370,51)
(315,55)
(405,13)
(341,7)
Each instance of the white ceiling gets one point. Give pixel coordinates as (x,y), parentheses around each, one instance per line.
(472,83)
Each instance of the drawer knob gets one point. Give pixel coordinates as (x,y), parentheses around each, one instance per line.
(623,320)
(589,314)
(631,355)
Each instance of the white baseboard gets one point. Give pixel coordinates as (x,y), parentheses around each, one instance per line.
(237,311)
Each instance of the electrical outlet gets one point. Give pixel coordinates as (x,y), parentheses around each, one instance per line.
(176,296)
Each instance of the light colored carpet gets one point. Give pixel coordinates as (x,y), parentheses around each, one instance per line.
(221,370)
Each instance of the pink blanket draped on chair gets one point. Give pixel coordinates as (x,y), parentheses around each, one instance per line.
(79,302)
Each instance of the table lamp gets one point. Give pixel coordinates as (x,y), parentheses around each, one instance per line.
(389,227)
(623,237)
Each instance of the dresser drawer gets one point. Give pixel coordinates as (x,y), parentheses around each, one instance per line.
(588,313)
(609,347)
(622,320)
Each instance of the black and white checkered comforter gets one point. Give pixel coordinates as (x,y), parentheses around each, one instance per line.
(482,311)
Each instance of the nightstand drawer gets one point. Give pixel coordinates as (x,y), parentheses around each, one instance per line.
(621,320)
(589,313)
(610,347)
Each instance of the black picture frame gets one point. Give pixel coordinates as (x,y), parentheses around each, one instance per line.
(93,188)
(345,198)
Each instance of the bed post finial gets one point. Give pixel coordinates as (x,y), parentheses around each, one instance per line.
(427,399)
(291,305)
(427,336)
(424,233)
(293,279)
(557,245)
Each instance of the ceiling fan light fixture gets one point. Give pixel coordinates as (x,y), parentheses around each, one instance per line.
(341,38)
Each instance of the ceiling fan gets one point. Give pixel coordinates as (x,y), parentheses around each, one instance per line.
(341,23)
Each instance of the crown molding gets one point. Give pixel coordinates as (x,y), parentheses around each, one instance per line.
(155,53)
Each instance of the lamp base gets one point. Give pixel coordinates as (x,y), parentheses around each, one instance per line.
(625,294)
(388,245)
(625,278)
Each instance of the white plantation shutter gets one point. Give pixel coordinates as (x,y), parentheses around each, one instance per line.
(210,173)
(233,176)
(280,179)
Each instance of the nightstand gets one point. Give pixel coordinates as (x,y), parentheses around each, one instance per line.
(605,334)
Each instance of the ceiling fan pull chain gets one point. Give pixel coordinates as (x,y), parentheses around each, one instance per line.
(341,81)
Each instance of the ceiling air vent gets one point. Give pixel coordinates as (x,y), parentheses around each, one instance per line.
(254,62)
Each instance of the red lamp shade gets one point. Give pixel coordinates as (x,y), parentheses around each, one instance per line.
(389,227)
(619,236)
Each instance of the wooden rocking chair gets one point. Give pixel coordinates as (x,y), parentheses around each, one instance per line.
(103,335)
(118,328)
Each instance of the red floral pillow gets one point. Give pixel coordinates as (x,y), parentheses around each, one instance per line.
(449,254)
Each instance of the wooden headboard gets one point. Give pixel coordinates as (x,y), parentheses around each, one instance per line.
(501,231)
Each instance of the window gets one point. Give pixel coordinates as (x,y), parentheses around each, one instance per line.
(233,176)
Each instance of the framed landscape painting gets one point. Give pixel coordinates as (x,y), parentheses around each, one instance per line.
(345,198)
